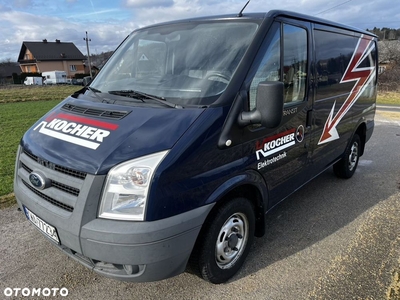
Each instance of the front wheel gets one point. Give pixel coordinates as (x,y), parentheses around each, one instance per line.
(346,167)
(225,241)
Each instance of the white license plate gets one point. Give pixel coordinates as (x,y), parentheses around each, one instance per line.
(44,227)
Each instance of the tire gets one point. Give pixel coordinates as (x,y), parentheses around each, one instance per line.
(224,242)
(346,167)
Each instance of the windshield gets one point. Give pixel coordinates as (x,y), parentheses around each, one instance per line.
(185,63)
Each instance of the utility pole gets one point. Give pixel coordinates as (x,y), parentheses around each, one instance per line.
(88,54)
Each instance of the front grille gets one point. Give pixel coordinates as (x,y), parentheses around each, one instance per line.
(63,184)
(63,187)
(33,157)
(49,199)
(82,110)
(77,174)
(47,164)
(26,168)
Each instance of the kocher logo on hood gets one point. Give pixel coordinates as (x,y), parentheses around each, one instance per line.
(77,130)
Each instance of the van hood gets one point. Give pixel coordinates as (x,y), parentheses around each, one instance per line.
(70,136)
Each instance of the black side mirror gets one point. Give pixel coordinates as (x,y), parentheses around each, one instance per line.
(269,107)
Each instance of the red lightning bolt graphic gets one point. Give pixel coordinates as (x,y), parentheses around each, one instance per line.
(361,76)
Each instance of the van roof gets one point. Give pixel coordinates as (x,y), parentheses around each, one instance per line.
(271,14)
(284,13)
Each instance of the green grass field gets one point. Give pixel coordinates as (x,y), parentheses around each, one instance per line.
(11,93)
(16,118)
(21,107)
(388,98)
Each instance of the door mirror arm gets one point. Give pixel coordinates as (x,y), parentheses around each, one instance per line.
(249,118)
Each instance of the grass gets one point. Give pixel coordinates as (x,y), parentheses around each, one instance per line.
(7,200)
(10,94)
(20,108)
(388,98)
(16,118)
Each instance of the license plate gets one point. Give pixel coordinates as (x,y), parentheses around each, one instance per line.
(44,227)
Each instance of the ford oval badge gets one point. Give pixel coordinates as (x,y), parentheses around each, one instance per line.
(37,180)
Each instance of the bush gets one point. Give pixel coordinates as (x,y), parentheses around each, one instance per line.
(389,54)
(19,79)
(81,75)
(389,80)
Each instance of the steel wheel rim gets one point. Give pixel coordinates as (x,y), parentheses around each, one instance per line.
(353,156)
(231,240)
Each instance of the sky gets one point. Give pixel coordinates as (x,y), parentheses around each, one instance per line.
(109,22)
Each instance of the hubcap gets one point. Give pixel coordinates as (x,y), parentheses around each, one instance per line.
(232,240)
(353,156)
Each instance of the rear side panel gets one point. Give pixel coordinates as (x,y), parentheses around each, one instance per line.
(345,94)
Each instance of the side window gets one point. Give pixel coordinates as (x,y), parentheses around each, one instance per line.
(269,69)
(291,68)
(294,63)
(333,55)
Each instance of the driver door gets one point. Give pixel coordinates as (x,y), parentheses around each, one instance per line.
(281,154)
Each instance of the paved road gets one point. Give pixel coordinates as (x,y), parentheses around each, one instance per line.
(392,108)
(333,239)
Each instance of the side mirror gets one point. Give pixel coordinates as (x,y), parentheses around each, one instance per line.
(269,107)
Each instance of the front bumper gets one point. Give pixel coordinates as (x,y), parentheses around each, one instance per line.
(123,250)
(135,251)
(143,251)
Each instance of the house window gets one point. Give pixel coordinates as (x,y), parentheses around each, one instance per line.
(28,69)
(72,68)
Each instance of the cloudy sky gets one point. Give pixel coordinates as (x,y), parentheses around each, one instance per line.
(109,22)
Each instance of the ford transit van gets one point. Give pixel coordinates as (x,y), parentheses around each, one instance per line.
(172,156)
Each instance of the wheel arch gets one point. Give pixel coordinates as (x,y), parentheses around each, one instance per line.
(249,185)
(362,133)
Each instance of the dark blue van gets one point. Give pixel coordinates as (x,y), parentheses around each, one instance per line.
(169,160)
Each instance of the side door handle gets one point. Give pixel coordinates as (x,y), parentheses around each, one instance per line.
(309,119)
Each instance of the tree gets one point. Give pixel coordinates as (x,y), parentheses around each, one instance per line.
(389,57)
(386,33)
(7,68)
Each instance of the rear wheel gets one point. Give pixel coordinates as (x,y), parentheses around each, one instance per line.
(224,242)
(346,167)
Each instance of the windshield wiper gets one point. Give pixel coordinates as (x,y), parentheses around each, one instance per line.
(126,93)
(142,96)
(95,92)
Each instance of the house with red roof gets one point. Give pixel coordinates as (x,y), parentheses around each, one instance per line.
(51,56)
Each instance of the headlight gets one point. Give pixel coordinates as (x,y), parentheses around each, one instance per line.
(127,185)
